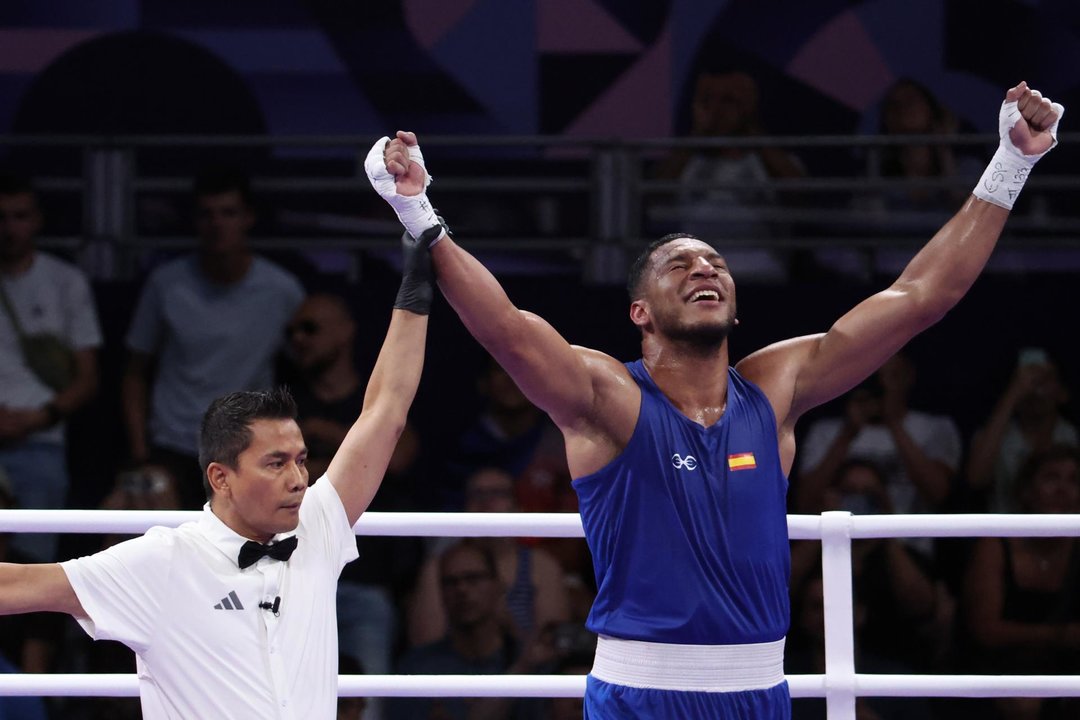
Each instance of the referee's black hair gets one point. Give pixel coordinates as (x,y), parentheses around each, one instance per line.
(226,426)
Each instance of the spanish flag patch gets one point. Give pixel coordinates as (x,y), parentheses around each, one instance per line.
(741,461)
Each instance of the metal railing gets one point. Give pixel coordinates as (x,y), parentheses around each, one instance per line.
(567,195)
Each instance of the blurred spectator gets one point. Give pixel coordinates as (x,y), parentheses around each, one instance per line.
(329,389)
(514,435)
(1022,605)
(918,453)
(884,457)
(906,614)
(49,336)
(574,648)
(1027,418)
(477,640)
(563,649)
(148,487)
(725,105)
(27,642)
(351,708)
(534,593)
(329,393)
(205,324)
(805,653)
(571,708)
(909,108)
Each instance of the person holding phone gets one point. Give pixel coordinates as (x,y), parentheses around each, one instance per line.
(918,452)
(1027,418)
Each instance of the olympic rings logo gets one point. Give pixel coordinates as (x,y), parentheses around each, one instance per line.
(689,462)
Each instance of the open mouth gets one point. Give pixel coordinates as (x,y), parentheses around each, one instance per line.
(705,296)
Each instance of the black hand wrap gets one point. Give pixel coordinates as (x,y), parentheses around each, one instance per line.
(417,288)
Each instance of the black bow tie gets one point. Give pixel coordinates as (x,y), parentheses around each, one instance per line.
(252,551)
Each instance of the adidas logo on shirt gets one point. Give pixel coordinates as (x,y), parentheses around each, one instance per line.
(230,602)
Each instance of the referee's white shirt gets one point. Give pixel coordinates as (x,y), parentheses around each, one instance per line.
(205,649)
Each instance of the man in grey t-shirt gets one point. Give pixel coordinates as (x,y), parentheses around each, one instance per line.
(205,325)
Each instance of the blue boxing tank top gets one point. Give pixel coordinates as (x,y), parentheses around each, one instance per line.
(688,525)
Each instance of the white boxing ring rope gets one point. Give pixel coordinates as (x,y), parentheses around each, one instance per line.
(840,684)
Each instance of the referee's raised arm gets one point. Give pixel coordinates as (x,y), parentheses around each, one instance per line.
(360,463)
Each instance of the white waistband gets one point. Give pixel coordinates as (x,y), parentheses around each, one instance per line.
(696,668)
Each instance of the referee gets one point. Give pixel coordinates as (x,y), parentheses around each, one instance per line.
(233,615)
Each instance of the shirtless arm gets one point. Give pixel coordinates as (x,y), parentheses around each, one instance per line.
(589,395)
(554,375)
(565,381)
(803,373)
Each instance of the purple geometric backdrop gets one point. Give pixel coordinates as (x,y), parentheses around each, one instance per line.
(574,67)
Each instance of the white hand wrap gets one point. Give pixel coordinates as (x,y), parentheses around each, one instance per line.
(414,211)
(1008,170)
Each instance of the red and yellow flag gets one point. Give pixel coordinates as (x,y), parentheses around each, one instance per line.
(741,461)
